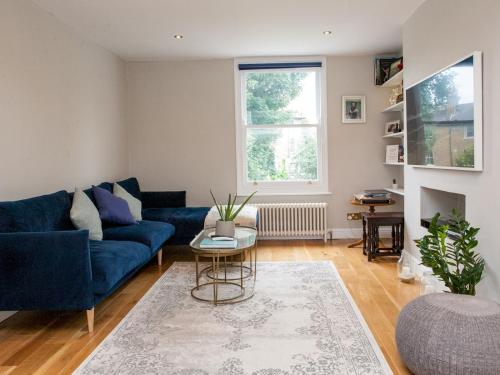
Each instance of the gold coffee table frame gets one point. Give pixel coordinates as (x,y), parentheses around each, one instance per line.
(217,271)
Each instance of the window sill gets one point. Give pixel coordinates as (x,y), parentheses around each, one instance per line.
(298,193)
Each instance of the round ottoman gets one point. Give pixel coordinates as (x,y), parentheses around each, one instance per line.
(445,333)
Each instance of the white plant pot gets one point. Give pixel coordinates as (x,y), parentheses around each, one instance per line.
(394,186)
(224,228)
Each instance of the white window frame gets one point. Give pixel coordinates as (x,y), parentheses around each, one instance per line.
(318,187)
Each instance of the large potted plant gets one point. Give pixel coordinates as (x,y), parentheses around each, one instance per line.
(449,251)
(225,226)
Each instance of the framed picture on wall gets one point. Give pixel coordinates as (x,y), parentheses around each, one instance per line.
(353,109)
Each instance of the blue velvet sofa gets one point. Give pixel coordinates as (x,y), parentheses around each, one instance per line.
(46,264)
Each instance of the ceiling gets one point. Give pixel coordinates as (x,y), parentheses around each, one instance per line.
(142,30)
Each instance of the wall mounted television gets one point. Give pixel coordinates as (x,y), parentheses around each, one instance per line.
(444,119)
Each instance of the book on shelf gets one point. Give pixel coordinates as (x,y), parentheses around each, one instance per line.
(208,243)
(392,154)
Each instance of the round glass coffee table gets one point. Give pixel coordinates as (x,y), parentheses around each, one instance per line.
(223,281)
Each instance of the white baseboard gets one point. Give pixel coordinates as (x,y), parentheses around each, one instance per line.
(337,234)
(288,238)
(5,314)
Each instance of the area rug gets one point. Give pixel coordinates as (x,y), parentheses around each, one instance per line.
(301,320)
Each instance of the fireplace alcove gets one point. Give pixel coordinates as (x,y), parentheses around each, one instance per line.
(433,201)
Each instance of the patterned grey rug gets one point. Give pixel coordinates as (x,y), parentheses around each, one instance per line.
(301,320)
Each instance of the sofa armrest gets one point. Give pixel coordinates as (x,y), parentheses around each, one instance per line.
(45,271)
(163,199)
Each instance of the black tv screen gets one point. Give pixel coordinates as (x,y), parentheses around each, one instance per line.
(444,117)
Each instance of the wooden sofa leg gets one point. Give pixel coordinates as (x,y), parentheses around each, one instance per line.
(90,320)
(160,256)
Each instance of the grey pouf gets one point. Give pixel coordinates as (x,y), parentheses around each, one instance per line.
(445,333)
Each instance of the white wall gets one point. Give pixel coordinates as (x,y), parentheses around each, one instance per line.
(439,33)
(61,106)
(182,131)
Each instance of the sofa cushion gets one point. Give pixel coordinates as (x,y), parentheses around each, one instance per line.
(112,260)
(134,204)
(104,185)
(150,233)
(39,214)
(132,186)
(112,209)
(84,215)
(188,221)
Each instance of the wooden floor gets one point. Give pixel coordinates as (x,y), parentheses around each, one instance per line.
(56,343)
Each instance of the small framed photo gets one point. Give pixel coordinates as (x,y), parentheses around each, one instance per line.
(353,110)
(392,127)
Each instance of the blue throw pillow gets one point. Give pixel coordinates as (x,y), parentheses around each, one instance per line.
(112,209)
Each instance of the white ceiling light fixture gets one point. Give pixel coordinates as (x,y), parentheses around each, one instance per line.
(327,32)
(178,36)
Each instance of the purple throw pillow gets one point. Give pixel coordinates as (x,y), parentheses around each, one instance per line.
(112,209)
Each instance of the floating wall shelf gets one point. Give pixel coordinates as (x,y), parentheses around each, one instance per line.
(394,135)
(395,80)
(398,107)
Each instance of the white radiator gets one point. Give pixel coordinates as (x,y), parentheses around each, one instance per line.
(292,220)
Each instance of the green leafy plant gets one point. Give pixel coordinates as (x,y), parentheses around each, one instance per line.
(229,212)
(453,260)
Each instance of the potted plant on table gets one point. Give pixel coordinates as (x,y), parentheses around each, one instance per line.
(225,226)
(448,251)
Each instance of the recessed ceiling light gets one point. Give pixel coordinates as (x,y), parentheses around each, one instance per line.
(327,32)
(178,36)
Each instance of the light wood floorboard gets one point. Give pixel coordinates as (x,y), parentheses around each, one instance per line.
(56,343)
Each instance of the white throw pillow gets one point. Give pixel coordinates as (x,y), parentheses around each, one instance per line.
(134,204)
(85,215)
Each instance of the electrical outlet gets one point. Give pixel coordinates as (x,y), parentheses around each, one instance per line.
(353,216)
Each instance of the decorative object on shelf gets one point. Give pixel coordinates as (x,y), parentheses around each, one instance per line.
(396,95)
(406,273)
(394,184)
(392,127)
(373,196)
(396,67)
(427,285)
(225,226)
(393,99)
(443,333)
(353,109)
(392,154)
(448,250)
(383,68)
(401,153)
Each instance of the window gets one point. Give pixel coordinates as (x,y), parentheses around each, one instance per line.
(281,127)
(469,132)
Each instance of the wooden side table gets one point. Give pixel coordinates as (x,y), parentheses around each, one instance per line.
(371,240)
(372,211)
